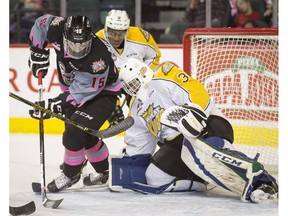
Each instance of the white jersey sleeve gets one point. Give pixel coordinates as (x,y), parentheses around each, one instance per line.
(138,138)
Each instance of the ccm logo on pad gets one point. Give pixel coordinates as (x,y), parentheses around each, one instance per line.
(226,159)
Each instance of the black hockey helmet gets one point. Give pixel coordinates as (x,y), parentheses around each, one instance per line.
(77,36)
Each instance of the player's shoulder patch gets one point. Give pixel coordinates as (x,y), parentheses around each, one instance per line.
(169,70)
(167,67)
(138,35)
(56,21)
(100,33)
(145,34)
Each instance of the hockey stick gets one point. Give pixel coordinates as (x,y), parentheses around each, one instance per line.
(45,201)
(36,186)
(26,209)
(106,133)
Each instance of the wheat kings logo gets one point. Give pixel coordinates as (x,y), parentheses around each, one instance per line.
(152,117)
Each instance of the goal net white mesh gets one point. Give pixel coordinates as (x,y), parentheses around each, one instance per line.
(239,68)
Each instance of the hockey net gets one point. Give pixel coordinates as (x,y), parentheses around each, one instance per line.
(239,68)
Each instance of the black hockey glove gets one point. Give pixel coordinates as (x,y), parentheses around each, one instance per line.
(53,104)
(56,105)
(34,113)
(38,61)
(116,116)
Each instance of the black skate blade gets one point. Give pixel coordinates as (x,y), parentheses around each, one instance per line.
(27,209)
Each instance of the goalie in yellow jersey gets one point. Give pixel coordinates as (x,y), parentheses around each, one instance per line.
(172,108)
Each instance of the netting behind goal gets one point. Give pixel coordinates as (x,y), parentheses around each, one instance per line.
(239,68)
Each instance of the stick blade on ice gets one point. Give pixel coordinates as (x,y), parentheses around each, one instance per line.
(26,209)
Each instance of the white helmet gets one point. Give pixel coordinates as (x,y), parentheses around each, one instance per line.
(117,20)
(136,76)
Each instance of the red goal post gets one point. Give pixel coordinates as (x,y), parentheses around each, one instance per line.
(239,68)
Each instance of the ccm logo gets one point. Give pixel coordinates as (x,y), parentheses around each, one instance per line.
(38,55)
(226,159)
(85,115)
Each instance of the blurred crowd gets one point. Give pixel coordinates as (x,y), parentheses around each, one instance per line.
(224,13)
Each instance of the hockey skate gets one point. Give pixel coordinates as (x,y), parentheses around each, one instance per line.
(96,179)
(266,192)
(62,182)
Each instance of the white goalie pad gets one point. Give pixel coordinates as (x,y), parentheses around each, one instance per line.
(219,167)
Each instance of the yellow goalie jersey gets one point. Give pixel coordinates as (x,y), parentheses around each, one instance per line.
(139,44)
(169,86)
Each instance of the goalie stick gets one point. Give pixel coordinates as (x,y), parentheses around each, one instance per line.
(106,133)
(26,209)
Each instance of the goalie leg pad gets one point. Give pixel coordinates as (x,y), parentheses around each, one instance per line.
(125,170)
(228,169)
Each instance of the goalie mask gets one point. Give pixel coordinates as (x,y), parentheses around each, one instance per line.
(116,27)
(77,38)
(136,77)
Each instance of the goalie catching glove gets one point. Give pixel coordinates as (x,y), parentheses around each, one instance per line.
(188,120)
(38,61)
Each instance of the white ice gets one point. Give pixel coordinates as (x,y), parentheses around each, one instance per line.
(25,168)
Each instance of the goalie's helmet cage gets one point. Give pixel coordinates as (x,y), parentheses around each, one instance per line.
(77,38)
(136,77)
(117,20)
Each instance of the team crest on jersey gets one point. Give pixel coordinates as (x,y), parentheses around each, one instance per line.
(152,118)
(98,66)
(145,34)
(56,21)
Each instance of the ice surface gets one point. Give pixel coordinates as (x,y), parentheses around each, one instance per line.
(25,168)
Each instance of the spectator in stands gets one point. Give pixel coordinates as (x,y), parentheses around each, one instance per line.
(263,7)
(269,9)
(268,14)
(250,24)
(245,13)
(195,13)
(195,17)
(23,17)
